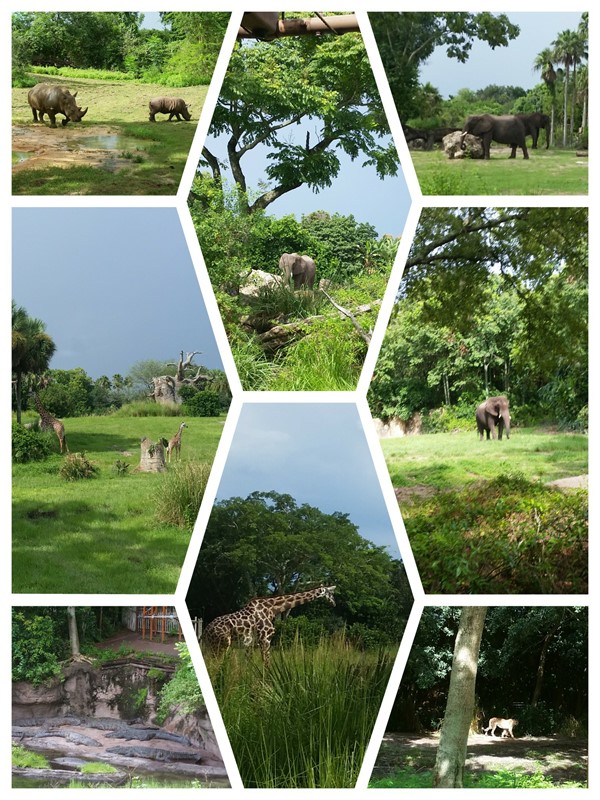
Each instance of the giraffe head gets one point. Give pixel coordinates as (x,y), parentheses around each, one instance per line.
(326,592)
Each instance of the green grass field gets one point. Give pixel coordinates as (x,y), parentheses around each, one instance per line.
(156,152)
(102,535)
(453,460)
(546,172)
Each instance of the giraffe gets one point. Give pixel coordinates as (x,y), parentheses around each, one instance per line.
(255,620)
(50,423)
(175,443)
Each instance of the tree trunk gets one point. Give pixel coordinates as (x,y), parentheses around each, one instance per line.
(573,102)
(565,105)
(152,458)
(73,633)
(452,749)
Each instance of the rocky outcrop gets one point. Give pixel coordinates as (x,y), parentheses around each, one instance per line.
(453,142)
(396,427)
(82,713)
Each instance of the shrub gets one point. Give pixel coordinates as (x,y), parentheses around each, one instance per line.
(447,419)
(28,445)
(76,467)
(36,648)
(178,497)
(121,468)
(203,404)
(182,692)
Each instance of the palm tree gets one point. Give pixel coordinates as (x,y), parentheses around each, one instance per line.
(568,50)
(543,63)
(32,349)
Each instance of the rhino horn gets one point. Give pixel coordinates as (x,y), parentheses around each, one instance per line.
(83,113)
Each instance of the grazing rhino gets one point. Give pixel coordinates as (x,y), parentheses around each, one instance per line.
(52,99)
(173,106)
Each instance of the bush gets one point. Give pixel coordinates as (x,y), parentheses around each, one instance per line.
(28,445)
(203,404)
(178,498)
(447,419)
(182,692)
(36,648)
(76,467)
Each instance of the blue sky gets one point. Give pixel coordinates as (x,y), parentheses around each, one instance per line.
(113,285)
(504,66)
(317,453)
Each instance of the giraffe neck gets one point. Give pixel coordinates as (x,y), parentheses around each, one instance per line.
(286,601)
(41,410)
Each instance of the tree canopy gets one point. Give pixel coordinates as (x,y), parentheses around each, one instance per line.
(405,40)
(183,53)
(532,665)
(268,544)
(491,301)
(306,98)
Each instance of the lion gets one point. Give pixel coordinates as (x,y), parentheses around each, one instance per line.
(505,725)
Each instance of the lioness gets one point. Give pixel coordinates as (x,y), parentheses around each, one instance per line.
(505,725)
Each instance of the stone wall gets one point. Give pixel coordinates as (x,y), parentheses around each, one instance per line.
(396,427)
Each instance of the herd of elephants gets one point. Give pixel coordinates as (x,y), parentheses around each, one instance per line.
(511,129)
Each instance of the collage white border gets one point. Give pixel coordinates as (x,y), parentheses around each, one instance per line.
(358,398)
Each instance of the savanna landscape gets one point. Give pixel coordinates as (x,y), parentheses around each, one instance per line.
(103,500)
(303,716)
(293,113)
(492,304)
(530,675)
(107,697)
(116,66)
(558,140)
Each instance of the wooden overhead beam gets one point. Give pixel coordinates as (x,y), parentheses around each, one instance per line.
(267,25)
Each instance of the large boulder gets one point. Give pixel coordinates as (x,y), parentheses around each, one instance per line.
(453,142)
(256,280)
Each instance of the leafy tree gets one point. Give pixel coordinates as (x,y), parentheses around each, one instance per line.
(267,544)
(323,84)
(32,349)
(406,40)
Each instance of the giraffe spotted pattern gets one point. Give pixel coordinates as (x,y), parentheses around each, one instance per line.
(254,622)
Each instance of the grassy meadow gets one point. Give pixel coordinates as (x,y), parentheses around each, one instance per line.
(305,721)
(155,153)
(480,517)
(546,172)
(103,535)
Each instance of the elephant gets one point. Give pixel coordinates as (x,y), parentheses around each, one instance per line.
(533,125)
(493,412)
(504,130)
(301,268)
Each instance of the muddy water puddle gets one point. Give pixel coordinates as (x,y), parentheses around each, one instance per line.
(103,147)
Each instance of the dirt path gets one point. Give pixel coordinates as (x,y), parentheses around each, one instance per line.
(558,758)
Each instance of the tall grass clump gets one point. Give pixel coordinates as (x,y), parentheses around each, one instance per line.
(178,497)
(142,408)
(306,720)
(327,359)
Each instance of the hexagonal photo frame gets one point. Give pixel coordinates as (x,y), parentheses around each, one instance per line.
(299,280)
(108,697)
(133,72)
(489,336)
(299,558)
(467,85)
(118,417)
(477,704)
